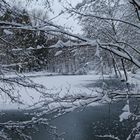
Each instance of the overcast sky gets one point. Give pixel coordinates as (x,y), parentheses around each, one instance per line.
(63,20)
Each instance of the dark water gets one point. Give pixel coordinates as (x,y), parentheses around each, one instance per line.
(93,121)
(84,124)
(81,125)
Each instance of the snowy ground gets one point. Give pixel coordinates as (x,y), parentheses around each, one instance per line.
(68,84)
(56,84)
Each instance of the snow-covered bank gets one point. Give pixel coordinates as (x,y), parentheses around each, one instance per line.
(56,84)
(61,85)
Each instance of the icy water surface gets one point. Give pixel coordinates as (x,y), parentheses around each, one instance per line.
(87,124)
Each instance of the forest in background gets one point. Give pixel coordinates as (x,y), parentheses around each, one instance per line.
(27,50)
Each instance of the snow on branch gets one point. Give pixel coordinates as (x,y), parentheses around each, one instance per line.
(84,40)
(102,18)
(108,136)
(124,54)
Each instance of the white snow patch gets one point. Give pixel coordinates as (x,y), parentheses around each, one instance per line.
(7,32)
(126,108)
(124,116)
(58,53)
(137,137)
(108,136)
